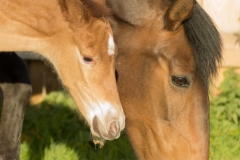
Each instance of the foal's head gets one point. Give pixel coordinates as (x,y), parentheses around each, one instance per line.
(167,51)
(91,80)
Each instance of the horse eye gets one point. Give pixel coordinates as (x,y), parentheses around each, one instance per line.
(88,60)
(180,81)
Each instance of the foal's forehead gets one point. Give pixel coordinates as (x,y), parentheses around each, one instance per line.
(95,38)
(102,45)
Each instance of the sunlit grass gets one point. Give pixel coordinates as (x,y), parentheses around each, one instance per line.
(225,119)
(53,130)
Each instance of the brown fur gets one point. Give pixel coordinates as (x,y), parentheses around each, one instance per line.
(163,121)
(65,32)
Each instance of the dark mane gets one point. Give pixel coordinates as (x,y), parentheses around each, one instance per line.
(206,43)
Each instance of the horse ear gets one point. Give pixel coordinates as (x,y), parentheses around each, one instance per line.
(177,13)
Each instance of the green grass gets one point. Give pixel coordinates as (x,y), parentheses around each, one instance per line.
(53,130)
(225,118)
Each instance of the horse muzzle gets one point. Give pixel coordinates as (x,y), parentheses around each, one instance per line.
(108,128)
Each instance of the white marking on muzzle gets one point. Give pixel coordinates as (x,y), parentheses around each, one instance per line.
(100,110)
(111,46)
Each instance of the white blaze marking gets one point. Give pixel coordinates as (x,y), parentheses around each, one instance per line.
(100,110)
(111,46)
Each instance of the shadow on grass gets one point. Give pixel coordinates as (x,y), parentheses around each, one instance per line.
(54,123)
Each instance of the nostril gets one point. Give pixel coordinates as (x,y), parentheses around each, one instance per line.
(114,128)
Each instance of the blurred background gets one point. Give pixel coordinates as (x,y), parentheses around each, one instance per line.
(226,15)
(53,129)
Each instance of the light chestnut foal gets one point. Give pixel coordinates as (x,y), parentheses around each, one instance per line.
(76,38)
